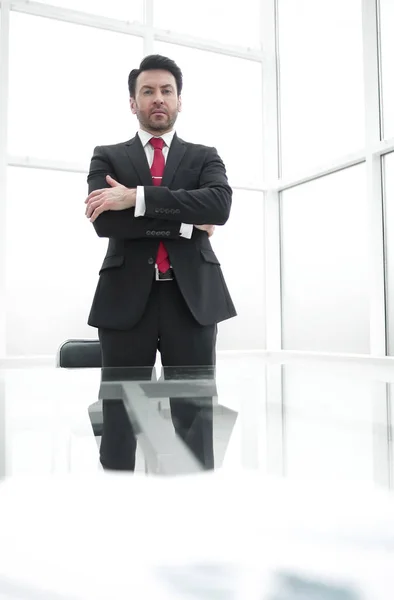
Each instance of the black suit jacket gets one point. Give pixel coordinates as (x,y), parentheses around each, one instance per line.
(194,190)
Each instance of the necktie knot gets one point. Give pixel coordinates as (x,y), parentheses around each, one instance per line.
(157,143)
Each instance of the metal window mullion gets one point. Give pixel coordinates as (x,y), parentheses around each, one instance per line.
(31,162)
(270,172)
(374,177)
(172,37)
(337,164)
(47,164)
(275,437)
(148,24)
(4,81)
(4,45)
(379,391)
(34,162)
(382,147)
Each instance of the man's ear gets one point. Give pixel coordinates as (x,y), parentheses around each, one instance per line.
(133,105)
(179,103)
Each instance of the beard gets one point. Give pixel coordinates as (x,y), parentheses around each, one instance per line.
(159,126)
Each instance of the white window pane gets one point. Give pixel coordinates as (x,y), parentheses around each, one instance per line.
(387,50)
(388,166)
(235,23)
(325,287)
(329,426)
(239,247)
(214,113)
(116,9)
(321,81)
(65,98)
(53,258)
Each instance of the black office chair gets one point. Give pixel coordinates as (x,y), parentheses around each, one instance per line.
(76,354)
(83,354)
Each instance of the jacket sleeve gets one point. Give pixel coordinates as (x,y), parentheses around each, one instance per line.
(123,224)
(209,204)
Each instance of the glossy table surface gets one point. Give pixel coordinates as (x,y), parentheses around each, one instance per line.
(297,506)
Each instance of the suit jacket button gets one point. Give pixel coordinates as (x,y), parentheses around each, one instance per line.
(151,261)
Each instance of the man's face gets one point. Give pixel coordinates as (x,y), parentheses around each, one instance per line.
(156,101)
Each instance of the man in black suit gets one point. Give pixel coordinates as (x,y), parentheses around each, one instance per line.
(157,199)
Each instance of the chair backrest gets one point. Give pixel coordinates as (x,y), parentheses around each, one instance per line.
(78,354)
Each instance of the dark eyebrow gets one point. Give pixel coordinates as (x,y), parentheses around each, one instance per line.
(150,87)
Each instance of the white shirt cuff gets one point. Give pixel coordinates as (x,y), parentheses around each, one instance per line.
(186,230)
(140,206)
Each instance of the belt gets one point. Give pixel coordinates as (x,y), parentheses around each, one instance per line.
(167,276)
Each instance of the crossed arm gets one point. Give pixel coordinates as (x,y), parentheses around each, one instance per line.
(118,197)
(107,198)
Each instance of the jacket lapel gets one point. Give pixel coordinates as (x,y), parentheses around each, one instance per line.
(136,154)
(175,155)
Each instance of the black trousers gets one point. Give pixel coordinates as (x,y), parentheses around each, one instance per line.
(167,325)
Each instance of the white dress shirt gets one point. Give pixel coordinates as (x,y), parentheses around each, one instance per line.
(186,230)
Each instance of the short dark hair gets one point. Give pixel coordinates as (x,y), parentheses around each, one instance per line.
(156,61)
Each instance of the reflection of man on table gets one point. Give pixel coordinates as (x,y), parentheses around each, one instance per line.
(157,199)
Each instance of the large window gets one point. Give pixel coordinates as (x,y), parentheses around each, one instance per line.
(325,293)
(321,81)
(282,81)
(65,101)
(67,94)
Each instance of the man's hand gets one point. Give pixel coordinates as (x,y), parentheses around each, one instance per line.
(117,197)
(210,229)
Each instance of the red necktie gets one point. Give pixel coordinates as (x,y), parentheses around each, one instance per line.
(157,170)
